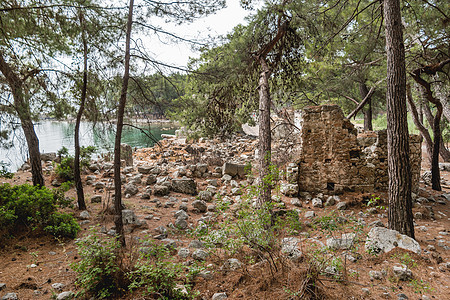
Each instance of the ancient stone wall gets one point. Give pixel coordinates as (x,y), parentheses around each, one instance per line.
(334,158)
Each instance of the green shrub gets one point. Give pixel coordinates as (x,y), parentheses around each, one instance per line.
(4,171)
(98,268)
(35,207)
(62,225)
(101,273)
(158,275)
(64,170)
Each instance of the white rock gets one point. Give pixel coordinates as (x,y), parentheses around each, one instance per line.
(383,239)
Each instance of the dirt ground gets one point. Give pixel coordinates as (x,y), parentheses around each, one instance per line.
(30,263)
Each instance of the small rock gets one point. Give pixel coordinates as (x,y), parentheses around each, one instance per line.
(296,202)
(10,296)
(183,252)
(58,286)
(200,205)
(310,214)
(200,255)
(341,206)
(402,272)
(317,202)
(196,244)
(84,215)
(232,264)
(2,286)
(65,295)
(219,296)
(376,275)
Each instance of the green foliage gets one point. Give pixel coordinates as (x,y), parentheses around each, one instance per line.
(420,286)
(156,274)
(4,171)
(62,225)
(35,207)
(64,170)
(98,269)
(102,273)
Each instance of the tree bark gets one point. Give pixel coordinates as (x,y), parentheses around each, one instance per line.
(437,141)
(419,125)
(76,168)
(120,113)
(23,111)
(265,136)
(400,215)
(364,91)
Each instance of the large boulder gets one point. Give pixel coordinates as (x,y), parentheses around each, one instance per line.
(130,189)
(383,239)
(233,169)
(51,156)
(184,186)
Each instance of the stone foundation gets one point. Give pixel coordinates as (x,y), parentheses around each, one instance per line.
(333,158)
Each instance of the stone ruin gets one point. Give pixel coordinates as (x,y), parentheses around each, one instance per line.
(332,157)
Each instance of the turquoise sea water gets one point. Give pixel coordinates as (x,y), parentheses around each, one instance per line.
(53,135)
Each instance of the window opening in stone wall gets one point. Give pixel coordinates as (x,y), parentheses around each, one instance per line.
(330,186)
(354,154)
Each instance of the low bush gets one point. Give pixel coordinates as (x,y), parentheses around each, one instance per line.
(105,271)
(35,207)
(64,170)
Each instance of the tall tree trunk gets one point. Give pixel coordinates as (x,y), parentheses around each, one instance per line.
(364,91)
(76,169)
(400,215)
(23,111)
(121,109)
(437,137)
(419,125)
(265,136)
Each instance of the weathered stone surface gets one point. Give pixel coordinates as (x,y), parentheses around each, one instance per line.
(219,296)
(96,199)
(200,205)
(233,169)
(334,158)
(126,153)
(205,195)
(383,239)
(84,215)
(160,190)
(151,179)
(185,186)
(292,173)
(402,273)
(232,264)
(183,252)
(317,202)
(345,242)
(289,189)
(200,255)
(289,246)
(144,169)
(129,217)
(51,156)
(130,189)
(10,296)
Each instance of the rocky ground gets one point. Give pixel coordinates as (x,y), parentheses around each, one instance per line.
(172,192)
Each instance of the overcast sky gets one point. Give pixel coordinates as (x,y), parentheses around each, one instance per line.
(220,23)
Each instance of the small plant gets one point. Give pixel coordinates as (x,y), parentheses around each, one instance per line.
(64,170)
(156,274)
(406,259)
(420,286)
(98,270)
(4,171)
